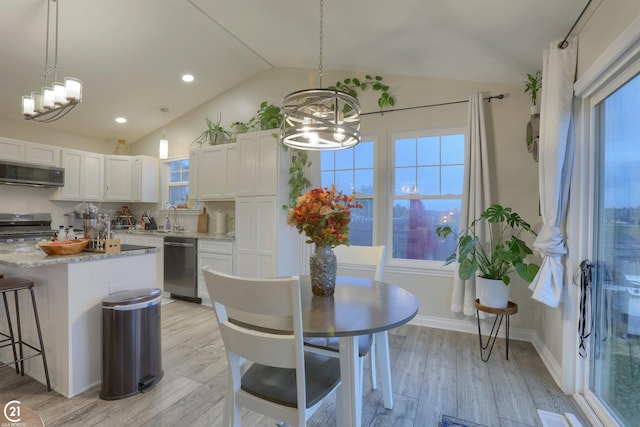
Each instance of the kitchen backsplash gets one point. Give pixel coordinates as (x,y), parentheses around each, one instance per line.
(17,199)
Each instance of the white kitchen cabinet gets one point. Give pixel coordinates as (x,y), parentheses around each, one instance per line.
(213,172)
(143,240)
(131,179)
(145,179)
(194,168)
(84,176)
(117,178)
(260,158)
(216,254)
(265,245)
(14,150)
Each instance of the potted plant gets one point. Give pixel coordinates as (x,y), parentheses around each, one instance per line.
(532,86)
(214,134)
(504,252)
(239,127)
(268,116)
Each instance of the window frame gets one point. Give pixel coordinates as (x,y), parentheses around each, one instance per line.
(374,197)
(166,182)
(431,266)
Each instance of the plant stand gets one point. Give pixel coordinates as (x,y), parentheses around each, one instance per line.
(501,313)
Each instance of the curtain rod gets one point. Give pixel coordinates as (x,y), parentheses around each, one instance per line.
(563,44)
(381,112)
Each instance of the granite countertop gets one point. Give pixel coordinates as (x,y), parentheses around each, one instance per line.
(37,258)
(208,236)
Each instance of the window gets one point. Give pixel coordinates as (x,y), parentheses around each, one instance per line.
(352,170)
(428,171)
(176,177)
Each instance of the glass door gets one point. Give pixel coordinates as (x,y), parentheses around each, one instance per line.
(614,359)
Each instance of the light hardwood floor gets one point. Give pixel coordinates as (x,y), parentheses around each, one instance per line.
(435,372)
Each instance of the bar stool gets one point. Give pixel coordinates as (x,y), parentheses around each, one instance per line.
(16,284)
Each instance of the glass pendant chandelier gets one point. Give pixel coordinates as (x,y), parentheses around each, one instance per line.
(56,98)
(320,119)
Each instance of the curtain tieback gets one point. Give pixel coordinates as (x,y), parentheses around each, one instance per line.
(550,241)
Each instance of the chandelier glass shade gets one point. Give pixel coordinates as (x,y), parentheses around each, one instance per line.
(163,148)
(320,119)
(55,99)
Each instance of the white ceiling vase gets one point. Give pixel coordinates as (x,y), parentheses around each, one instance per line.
(56,98)
(320,119)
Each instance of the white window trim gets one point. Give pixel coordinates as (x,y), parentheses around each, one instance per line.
(165,179)
(432,268)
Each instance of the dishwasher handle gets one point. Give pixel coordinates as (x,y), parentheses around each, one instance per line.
(180,245)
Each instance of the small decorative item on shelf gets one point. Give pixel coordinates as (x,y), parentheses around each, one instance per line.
(323,215)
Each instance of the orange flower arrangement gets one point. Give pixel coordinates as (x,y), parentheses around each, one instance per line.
(323,214)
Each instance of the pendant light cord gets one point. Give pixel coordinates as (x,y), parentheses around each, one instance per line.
(321,37)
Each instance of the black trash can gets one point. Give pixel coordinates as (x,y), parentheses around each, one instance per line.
(131,347)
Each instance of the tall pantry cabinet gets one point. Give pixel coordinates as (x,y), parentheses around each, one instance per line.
(265,245)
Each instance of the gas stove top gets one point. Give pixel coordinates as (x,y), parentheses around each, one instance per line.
(25,227)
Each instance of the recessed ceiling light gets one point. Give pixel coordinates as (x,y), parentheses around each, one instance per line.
(121,120)
(187,78)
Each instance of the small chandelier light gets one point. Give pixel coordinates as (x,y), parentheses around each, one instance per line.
(320,119)
(164,143)
(56,98)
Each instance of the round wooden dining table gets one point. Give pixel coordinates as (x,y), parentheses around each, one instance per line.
(359,306)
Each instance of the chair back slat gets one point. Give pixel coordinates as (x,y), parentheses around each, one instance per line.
(372,256)
(260,347)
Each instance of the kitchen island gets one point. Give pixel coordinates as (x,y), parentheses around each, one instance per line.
(69,289)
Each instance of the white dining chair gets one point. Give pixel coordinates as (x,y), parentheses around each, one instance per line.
(369,259)
(283,381)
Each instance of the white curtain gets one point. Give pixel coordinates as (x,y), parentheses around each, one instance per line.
(556,158)
(476,195)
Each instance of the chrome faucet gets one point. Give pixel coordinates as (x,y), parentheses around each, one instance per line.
(176,226)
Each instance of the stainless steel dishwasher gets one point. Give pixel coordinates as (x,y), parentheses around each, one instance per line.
(181,267)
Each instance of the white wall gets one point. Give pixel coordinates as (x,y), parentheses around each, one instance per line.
(514,172)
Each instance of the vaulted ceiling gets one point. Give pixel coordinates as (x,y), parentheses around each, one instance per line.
(130,54)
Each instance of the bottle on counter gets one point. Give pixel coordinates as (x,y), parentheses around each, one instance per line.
(167,225)
(71,235)
(62,234)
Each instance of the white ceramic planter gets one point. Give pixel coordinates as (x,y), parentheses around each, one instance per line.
(492,293)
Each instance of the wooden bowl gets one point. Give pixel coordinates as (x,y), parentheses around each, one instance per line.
(66,247)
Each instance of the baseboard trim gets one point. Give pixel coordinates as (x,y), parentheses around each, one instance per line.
(470,326)
(549,361)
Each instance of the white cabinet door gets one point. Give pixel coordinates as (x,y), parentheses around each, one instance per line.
(84,175)
(12,150)
(194,167)
(211,172)
(256,236)
(47,155)
(145,179)
(118,178)
(217,255)
(258,164)
(72,164)
(231,182)
(215,172)
(93,176)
